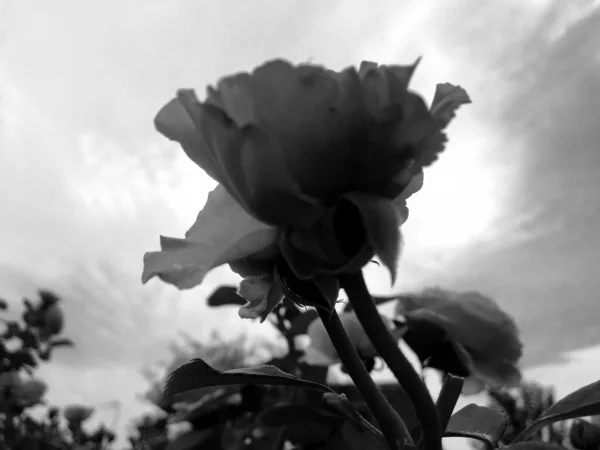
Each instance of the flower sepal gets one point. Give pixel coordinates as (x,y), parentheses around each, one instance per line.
(350,233)
(320,291)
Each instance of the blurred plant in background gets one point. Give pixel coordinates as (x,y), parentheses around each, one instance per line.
(523,406)
(24,344)
(232,408)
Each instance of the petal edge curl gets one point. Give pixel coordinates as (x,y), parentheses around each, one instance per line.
(223,232)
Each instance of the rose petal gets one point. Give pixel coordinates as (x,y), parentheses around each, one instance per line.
(399,202)
(485,339)
(223,232)
(249,163)
(396,145)
(401,125)
(446,101)
(496,372)
(415,185)
(385,86)
(262,295)
(174,122)
(309,117)
(257,264)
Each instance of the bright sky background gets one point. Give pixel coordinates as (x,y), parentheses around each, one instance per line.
(87,185)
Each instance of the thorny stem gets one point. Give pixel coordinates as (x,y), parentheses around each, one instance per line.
(391,424)
(387,347)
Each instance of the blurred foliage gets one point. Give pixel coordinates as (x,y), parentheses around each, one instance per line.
(208,395)
(24,344)
(525,404)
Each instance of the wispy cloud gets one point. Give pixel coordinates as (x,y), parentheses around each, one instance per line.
(86,185)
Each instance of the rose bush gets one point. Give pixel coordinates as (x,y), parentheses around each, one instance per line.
(24,344)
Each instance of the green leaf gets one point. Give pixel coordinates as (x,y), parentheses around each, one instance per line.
(225,295)
(583,402)
(197,375)
(223,233)
(477,422)
(213,400)
(189,440)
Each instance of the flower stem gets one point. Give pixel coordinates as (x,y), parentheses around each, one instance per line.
(377,331)
(391,424)
(448,397)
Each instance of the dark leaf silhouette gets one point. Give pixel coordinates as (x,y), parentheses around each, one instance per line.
(198,375)
(583,402)
(62,342)
(585,435)
(225,295)
(477,422)
(350,437)
(303,424)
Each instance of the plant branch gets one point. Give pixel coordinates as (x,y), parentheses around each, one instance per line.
(391,424)
(447,399)
(387,347)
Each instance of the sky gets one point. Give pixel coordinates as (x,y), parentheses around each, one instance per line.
(87,185)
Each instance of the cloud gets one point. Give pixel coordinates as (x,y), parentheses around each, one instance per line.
(87,185)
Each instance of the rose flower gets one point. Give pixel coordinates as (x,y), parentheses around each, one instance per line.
(314,169)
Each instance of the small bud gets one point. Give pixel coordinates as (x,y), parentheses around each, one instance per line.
(76,414)
(52,322)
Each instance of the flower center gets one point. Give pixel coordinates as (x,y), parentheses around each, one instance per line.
(348,229)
